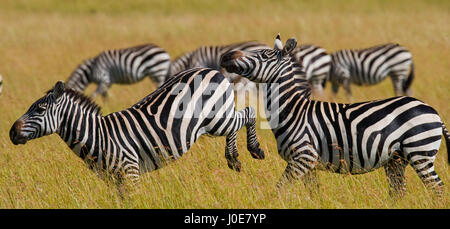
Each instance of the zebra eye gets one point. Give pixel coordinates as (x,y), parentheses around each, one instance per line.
(41,108)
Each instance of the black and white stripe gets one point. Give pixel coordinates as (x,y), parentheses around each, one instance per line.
(158,129)
(371,66)
(121,66)
(209,57)
(316,63)
(342,138)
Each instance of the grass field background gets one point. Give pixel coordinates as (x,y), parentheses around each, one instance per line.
(43,41)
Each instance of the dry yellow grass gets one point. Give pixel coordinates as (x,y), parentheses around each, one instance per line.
(43,41)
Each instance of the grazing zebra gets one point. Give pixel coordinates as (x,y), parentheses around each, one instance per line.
(158,129)
(370,66)
(342,138)
(316,63)
(121,66)
(209,57)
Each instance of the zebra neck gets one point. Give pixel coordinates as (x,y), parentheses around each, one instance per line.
(82,131)
(283,96)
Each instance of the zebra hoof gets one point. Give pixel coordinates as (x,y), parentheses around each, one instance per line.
(235,165)
(258,154)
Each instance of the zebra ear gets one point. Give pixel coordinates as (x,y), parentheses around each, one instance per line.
(290,45)
(278,44)
(58,90)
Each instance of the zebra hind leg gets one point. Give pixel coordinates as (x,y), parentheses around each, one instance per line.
(424,167)
(252,141)
(231,152)
(395,172)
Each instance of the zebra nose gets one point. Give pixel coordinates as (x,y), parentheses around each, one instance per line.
(14,133)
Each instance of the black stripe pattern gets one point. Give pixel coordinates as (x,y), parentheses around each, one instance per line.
(316,63)
(342,138)
(158,129)
(209,57)
(372,65)
(121,66)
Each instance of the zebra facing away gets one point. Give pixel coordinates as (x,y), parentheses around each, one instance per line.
(316,63)
(158,129)
(372,65)
(342,138)
(209,57)
(121,66)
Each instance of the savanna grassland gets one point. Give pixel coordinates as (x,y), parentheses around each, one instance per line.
(43,41)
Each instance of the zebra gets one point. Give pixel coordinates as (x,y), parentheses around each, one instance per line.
(121,66)
(316,63)
(158,129)
(372,65)
(342,138)
(209,57)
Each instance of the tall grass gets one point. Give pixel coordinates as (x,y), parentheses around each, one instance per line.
(43,41)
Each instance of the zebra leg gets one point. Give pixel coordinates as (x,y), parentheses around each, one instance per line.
(424,166)
(102,89)
(346,85)
(127,178)
(395,172)
(398,82)
(244,117)
(303,161)
(231,152)
(252,141)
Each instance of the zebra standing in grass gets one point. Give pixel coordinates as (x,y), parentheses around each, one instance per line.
(342,138)
(372,65)
(316,63)
(209,57)
(158,129)
(122,66)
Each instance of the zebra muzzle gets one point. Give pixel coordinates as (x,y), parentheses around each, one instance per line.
(15,133)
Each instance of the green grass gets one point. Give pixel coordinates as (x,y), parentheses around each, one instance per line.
(43,41)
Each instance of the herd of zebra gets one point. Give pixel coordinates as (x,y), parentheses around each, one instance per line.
(195,97)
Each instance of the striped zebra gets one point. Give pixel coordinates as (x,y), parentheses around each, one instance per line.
(158,129)
(209,57)
(121,66)
(341,138)
(316,63)
(372,65)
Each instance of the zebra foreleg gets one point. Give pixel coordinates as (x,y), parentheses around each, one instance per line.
(301,163)
(395,172)
(102,90)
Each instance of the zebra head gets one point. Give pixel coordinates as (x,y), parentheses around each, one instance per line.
(41,118)
(263,65)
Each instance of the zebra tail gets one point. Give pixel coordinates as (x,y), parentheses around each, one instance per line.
(410,78)
(447,140)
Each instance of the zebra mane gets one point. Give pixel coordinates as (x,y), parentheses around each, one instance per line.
(82,100)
